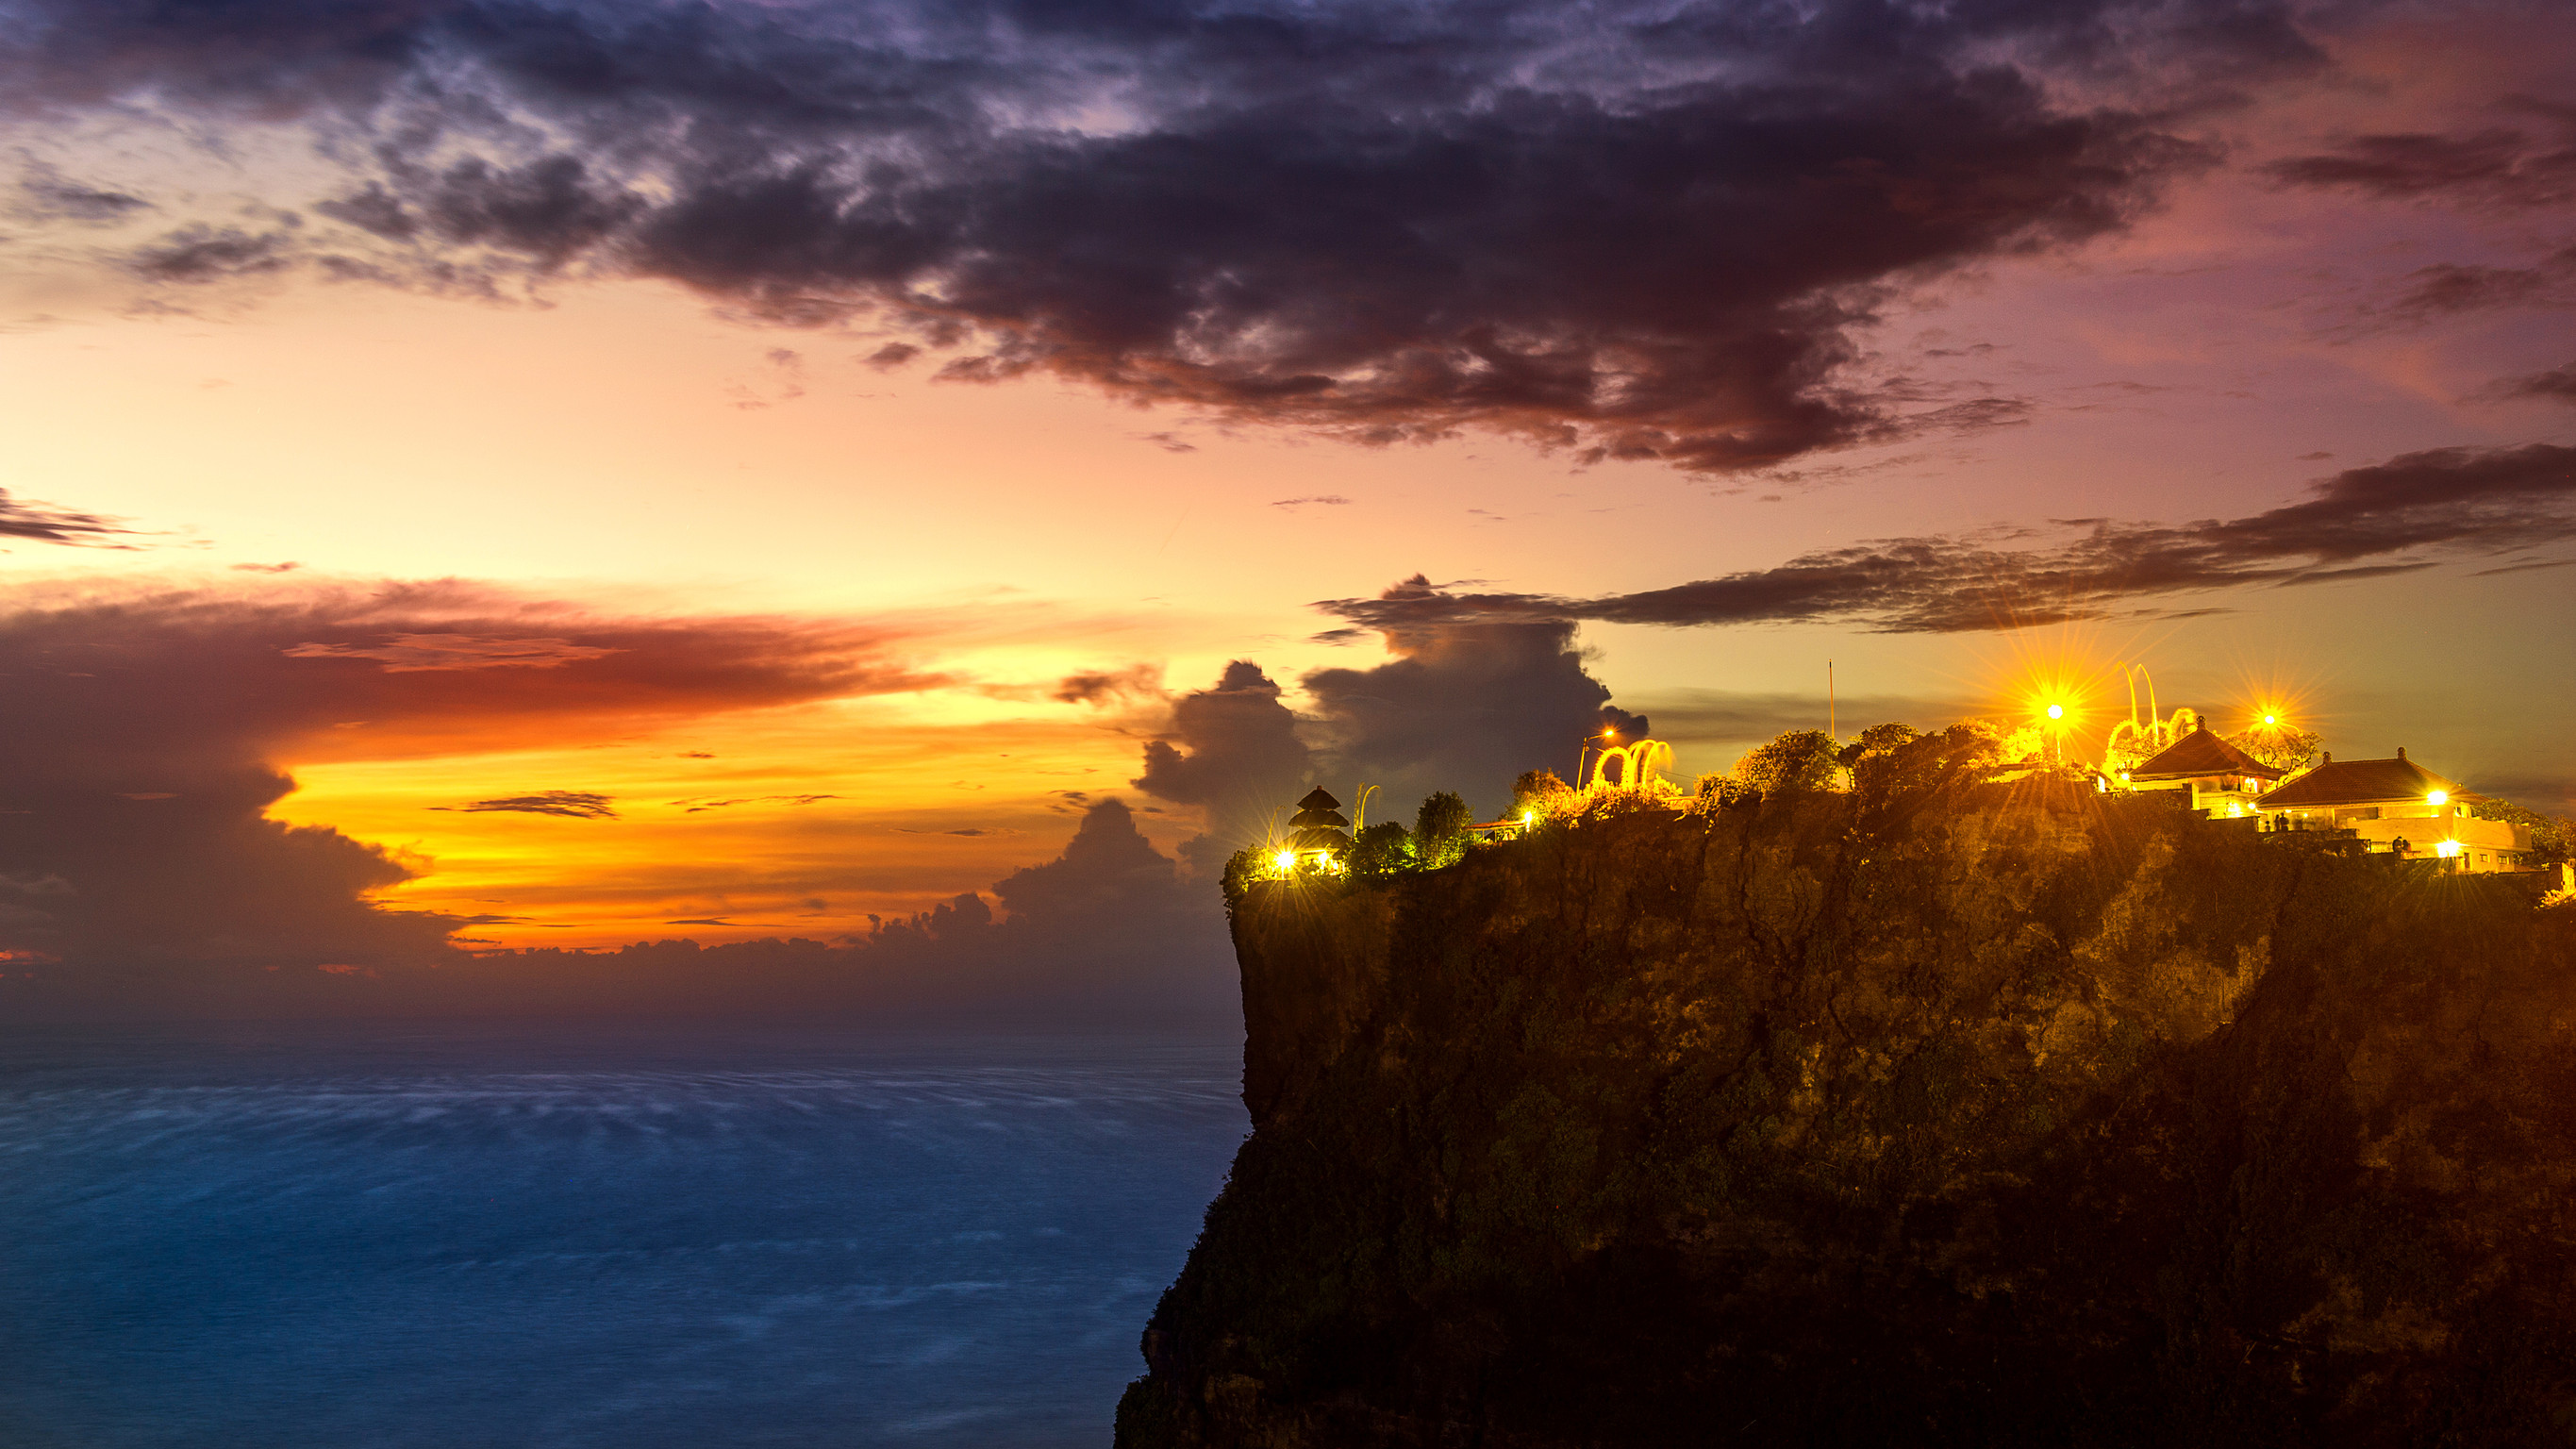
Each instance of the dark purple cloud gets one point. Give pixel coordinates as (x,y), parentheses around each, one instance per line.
(46,194)
(1627,230)
(2557,384)
(2501,165)
(44,523)
(2448,289)
(2401,515)
(569,804)
(201,253)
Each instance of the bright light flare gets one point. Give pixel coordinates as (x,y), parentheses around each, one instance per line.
(2438,799)
(1285,860)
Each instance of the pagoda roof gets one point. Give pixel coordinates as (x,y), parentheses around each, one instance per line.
(2201,752)
(2358,782)
(1319,799)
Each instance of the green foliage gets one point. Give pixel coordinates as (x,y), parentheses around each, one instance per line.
(1241,869)
(2279,746)
(1965,752)
(1716,792)
(1440,830)
(1542,791)
(1382,849)
(1878,739)
(2553,837)
(1797,760)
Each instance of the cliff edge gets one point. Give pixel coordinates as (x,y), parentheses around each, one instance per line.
(1960,1113)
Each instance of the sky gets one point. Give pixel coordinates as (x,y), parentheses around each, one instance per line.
(496,476)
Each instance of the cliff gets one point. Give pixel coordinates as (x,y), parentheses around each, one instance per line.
(1945,1113)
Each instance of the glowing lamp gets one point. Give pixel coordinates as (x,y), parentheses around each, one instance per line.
(2438,799)
(1286,860)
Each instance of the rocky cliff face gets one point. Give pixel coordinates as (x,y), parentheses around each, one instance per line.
(1954,1113)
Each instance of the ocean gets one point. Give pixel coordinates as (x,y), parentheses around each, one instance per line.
(628,1234)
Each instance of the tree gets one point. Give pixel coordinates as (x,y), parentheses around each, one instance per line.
(1876,740)
(1382,849)
(1542,791)
(2283,747)
(1797,760)
(1440,830)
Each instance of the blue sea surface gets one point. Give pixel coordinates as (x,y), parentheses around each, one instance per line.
(608,1233)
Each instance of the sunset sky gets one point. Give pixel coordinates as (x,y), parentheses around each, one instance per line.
(728,470)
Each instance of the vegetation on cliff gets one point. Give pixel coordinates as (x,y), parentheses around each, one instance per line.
(1934,1111)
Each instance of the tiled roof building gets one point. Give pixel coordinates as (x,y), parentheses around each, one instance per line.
(2395,807)
(2221,778)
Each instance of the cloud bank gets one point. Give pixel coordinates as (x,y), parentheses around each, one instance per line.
(1628,230)
(144,727)
(2407,513)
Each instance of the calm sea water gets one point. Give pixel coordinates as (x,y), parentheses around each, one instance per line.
(615,1234)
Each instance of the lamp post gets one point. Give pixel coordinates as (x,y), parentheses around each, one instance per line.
(1607,734)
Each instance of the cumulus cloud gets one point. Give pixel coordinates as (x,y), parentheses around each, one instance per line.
(1630,230)
(1110,934)
(1466,704)
(145,727)
(2405,514)
(1233,751)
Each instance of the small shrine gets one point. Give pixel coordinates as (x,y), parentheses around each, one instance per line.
(1320,826)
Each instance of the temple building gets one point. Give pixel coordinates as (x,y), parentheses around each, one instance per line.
(1320,826)
(2222,780)
(2395,807)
